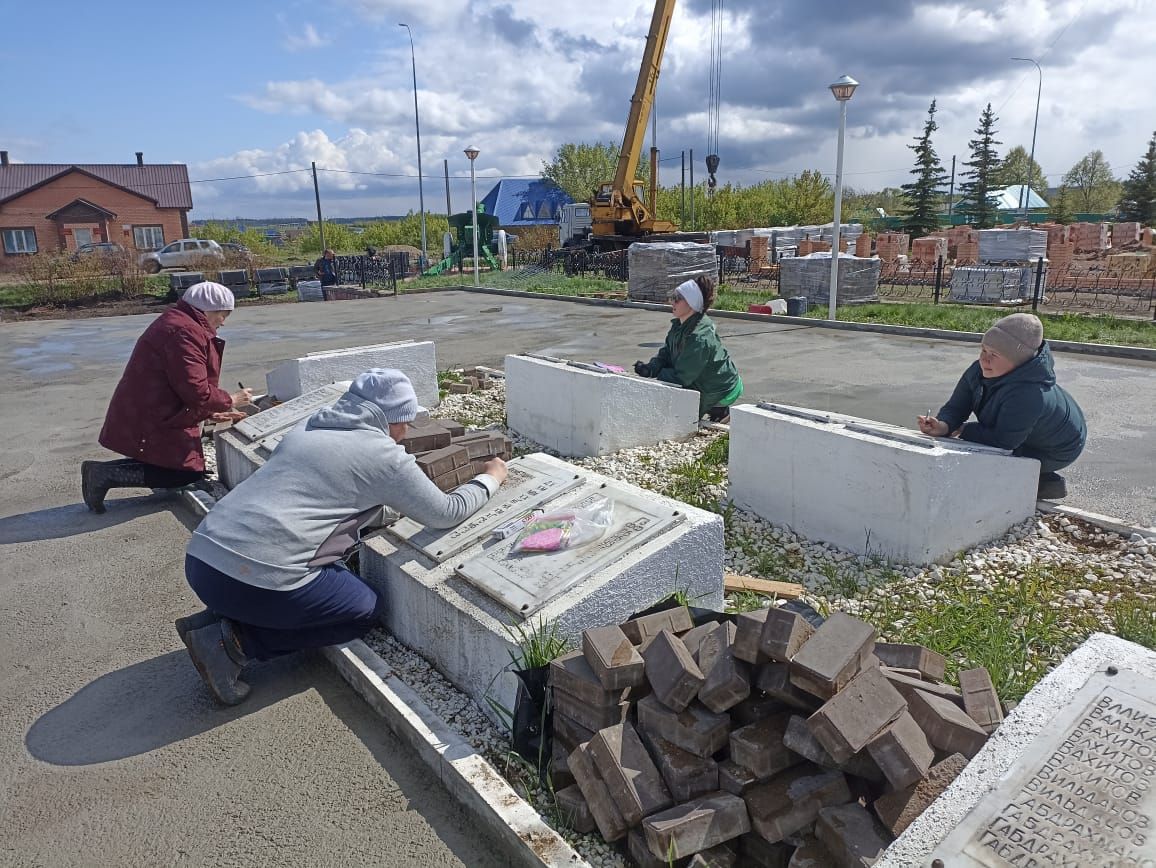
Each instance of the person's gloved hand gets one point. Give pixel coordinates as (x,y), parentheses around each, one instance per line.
(642,369)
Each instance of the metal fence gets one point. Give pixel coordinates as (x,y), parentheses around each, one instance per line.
(613,265)
(373,272)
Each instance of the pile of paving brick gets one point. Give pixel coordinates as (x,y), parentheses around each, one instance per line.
(761,741)
(451,457)
(472,380)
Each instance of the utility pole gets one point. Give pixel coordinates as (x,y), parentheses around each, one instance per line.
(446,169)
(951,189)
(692,189)
(682,205)
(317,196)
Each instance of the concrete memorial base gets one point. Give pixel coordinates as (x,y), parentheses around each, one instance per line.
(1067,779)
(458,596)
(416,359)
(582,411)
(873,488)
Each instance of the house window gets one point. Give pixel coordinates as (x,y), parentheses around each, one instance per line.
(148,237)
(19,241)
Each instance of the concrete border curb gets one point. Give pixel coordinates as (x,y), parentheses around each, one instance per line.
(464,772)
(1144,354)
(1105,522)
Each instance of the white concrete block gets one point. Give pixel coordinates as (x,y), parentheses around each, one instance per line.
(465,633)
(873,488)
(416,359)
(581,412)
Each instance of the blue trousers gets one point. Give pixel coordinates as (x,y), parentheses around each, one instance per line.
(335,607)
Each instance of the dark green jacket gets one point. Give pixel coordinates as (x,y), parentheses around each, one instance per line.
(694,357)
(1024,411)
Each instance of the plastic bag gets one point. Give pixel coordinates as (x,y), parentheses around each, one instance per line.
(565,529)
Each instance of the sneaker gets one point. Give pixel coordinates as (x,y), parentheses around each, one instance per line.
(189,623)
(1052,487)
(217,669)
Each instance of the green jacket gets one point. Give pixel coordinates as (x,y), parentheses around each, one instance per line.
(694,358)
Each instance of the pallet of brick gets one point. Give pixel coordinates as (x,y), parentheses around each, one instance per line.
(425,438)
(989,284)
(1089,237)
(1057,233)
(759,251)
(1148,237)
(1125,233)
(810,276)
(863,246)
(657,268)
(889,246)
(928,250)
(442,466)
(1012,245)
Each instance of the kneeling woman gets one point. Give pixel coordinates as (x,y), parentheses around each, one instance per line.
(693,355)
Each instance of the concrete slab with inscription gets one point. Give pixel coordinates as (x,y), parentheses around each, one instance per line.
(416,359)
(1067,780)
(580,410)
(456,596)
(244,447)
(874,488)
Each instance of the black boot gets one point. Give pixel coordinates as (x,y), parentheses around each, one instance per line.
(1052,487)
(97,477)
(218,668)
(187,624)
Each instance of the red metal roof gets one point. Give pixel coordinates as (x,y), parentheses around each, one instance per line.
(165,184)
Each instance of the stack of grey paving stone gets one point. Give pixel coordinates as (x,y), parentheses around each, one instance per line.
(810,276)
(1007,267)
(655,269)
(761,741)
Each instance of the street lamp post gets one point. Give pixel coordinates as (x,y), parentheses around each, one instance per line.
(417,127)
(472,153)
(1027,194)
(842,90)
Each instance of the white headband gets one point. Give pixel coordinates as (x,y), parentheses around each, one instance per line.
(689,290)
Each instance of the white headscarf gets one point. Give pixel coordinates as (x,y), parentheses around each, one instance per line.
(689,290)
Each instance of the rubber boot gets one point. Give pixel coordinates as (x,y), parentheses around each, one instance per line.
(217,668)
(187,624)
(1052,487)
(97,477)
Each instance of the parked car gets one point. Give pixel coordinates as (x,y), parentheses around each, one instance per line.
(102,249)
(232,247)
(183,253)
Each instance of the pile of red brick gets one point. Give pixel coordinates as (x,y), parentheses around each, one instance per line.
(1125,233)
(451,457)
(1089,237)
(763,740)
(807,247)
(863,246)
(891,245)
(928,250)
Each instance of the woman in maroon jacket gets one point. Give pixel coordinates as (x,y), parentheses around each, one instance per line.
(168,389)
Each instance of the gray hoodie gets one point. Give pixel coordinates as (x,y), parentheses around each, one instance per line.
(302,510)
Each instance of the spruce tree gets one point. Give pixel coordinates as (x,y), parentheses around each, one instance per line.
(924,193)
(1061,207)
(982,166)
(1139,200)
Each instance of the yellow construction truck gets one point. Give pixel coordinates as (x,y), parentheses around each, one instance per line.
(622,211)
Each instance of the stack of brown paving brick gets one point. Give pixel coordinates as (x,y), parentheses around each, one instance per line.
(472,380)
(889,246)
(759,249)
(758,741)
(1057,233)
(451,457)
(1148,237)
(1089,237)
(807,247)
(1125,233)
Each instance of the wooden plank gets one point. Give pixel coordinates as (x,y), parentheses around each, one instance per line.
(785,590)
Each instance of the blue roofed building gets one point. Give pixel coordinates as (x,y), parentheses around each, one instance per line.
(518,202)
(1011,198)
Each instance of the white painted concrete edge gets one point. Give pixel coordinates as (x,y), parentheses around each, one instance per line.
(1105,522)
(466,773)
(1119,351)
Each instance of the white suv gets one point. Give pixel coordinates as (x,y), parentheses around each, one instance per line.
(183,253)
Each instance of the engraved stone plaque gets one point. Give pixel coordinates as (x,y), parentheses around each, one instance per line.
(285,416)
(1080,796)
(529,484)
(524,583)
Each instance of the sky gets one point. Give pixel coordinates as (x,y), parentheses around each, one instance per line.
(249,93)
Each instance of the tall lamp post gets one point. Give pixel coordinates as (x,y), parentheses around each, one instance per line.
(1027,194)
(842,89)
(417,127)
(472,153)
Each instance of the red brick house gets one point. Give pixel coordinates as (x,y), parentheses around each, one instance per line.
(48,207)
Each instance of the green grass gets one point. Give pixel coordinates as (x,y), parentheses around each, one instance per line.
(1134,620)
(689,482)
(718,452)
(538,644)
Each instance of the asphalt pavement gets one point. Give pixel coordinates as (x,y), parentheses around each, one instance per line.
(111,751)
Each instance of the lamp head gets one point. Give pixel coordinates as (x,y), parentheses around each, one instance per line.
(844,88)
(472,153)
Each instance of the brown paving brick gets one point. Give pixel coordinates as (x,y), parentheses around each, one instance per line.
(612,658)
(697,825)
(676,620)
(628,771)
(853,837)
(734,778)
(759,746)
(929,664)
(696,729)
(774,679)
(673,675)
(749,634)
(591,717)
(946,725)
(573,810)
(902,752)
(783,635)
(728,680)
(754,708)
(799,739)
(860,711)
(756,852)
(692,638)
(980,700)
(569,731)
(719,856)
(640,853)
(606,815)
(834,654)
(442,461)
(899,809)
(790,801)
(573,674)
(907,685)
(686,776)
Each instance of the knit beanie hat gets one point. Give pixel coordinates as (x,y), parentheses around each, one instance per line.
(207,295)
(1017,337)
(390,391)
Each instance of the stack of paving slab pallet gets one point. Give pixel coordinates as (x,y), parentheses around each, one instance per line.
(761,741)
(451,457)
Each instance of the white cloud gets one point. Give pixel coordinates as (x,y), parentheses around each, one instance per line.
(306,39)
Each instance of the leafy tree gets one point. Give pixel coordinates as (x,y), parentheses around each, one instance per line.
(580,168)
(924,193)
(1090,180)
(1061,206)
(1013,169)
(864,206)
(1139,199)
(807,198)
(976,190)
